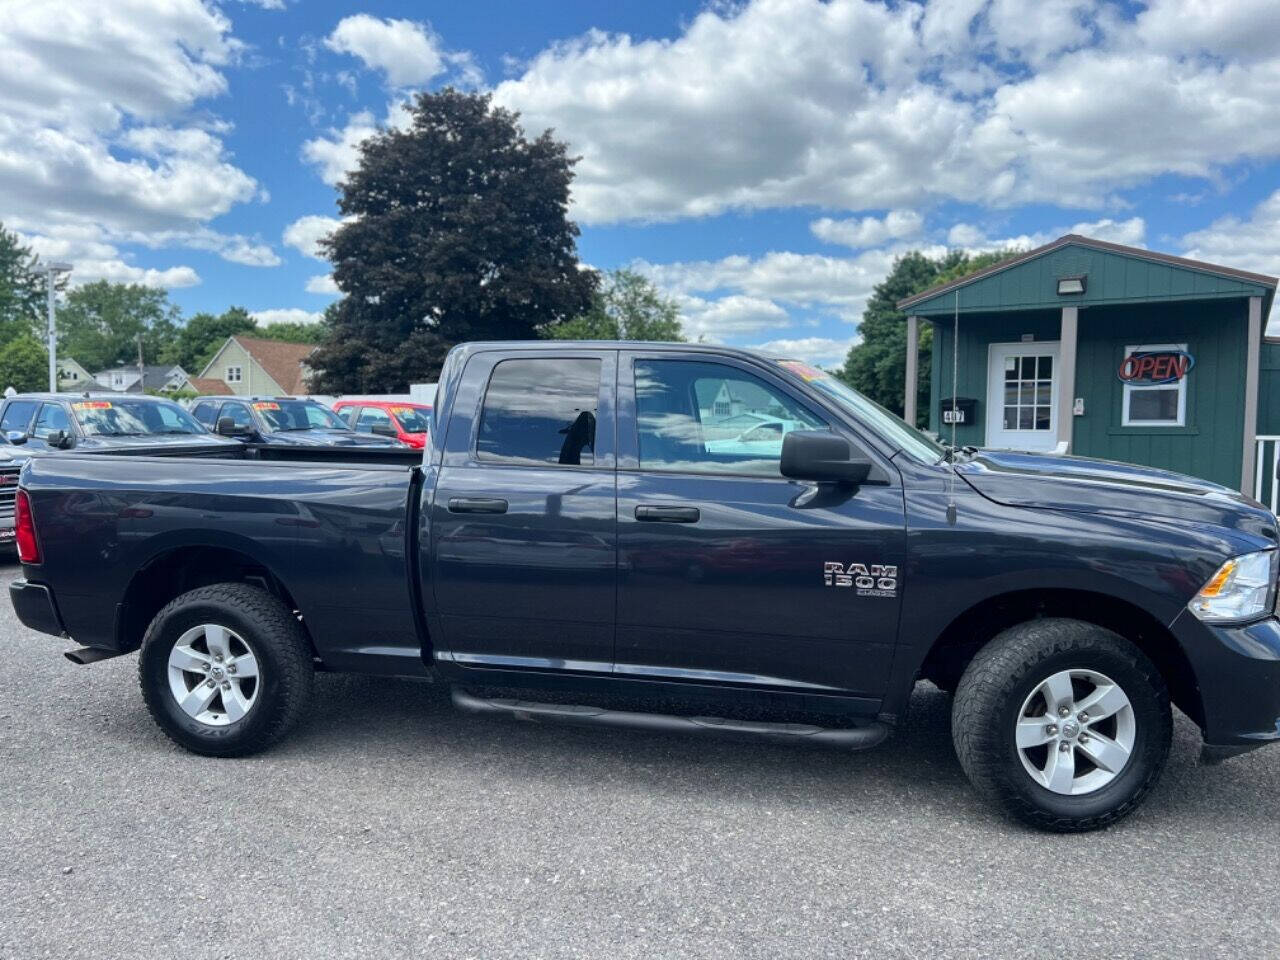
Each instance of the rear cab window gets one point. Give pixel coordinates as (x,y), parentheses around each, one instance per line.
(540,411)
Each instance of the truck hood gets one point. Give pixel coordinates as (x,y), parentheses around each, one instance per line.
(1119,489)
(329,438)
(158,444)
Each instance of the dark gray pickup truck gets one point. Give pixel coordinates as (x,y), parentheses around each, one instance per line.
(606,533)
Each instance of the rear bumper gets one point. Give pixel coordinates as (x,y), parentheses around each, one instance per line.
(1238,672)
(33,603)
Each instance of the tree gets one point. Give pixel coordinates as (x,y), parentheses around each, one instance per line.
(458,231)
(876,366)
(24,364)
(626,307)
(204,333)
(100,322)
(22,291)
(294,331)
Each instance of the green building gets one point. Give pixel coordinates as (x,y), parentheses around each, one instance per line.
(1103,350)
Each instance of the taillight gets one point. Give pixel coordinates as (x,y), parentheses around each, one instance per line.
(25,529)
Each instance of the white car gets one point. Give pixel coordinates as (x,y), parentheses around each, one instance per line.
(762,439)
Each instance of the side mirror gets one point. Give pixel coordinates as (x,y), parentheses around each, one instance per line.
(16,437)
(821,456)
(227,428)
(385,430)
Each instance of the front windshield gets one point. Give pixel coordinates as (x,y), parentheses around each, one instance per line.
(133,418)
(890,426)
(288,415)
(412,419)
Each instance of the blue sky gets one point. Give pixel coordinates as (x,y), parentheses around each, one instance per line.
(763,162)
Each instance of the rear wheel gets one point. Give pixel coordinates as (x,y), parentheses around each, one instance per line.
(1065,724)
(225,670)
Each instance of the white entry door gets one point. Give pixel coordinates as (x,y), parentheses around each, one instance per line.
(1022,396)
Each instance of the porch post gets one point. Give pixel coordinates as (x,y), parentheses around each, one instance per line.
(913,357)
(1252,353)
(1067,373)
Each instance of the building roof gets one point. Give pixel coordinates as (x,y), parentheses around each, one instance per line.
(281,360)
(206,386)
(1102,246)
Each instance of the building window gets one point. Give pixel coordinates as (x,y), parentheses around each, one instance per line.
(233,375)
(1155,404)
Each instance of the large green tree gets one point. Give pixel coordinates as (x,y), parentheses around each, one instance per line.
(24,364)
(458,230)
(626,307)
(22,291)
(199,339)
(876,365)
(99,324)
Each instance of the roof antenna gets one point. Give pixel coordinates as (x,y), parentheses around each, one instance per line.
(955,372)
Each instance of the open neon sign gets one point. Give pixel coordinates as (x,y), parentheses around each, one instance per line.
(1156,366)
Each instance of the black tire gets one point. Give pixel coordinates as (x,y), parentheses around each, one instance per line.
(989,700)
(274,636)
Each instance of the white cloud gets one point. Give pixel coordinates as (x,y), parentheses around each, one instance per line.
(409,53)
(857,105)
(339,151)
(868,231)
(1131,232)
(1249,243)
(264,4)
(714,320)
(820,351)
(305,234)
(234,248)
(285,315)
(94,114)
(323,283)
(965,235)
(96,258)
(833,285)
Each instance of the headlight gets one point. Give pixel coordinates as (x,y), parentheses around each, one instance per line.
(1243,588)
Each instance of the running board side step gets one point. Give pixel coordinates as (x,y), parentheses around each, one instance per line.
(87,655)
(849,738)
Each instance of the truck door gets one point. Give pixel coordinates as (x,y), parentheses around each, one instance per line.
(524,545)
(728,572)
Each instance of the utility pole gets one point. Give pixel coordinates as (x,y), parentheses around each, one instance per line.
(142,369)
(50,270)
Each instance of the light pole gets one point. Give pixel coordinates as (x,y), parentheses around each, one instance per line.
(50,270)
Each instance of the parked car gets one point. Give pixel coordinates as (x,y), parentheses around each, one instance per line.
(10,466)
(104,422)
(406,421)
(284,421)
(570,542)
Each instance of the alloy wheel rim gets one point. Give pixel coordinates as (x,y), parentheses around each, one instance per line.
(213,675)
(1075,732)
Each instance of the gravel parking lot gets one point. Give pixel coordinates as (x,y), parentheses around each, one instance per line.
(390,825)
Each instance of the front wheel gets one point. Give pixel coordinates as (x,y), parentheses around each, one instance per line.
(1065,724)
(225,670)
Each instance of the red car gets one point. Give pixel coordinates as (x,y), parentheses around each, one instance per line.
(408,422)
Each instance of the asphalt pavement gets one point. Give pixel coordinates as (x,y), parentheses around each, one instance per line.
(390,825)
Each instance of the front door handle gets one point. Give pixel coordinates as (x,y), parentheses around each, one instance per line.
(660,514)
(477,505)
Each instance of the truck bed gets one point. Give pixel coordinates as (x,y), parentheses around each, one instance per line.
(336,536)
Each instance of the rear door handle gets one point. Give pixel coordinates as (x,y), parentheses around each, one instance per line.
(477,505)
(657,514)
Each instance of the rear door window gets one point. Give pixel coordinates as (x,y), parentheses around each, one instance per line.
(541,411)
(17,416)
